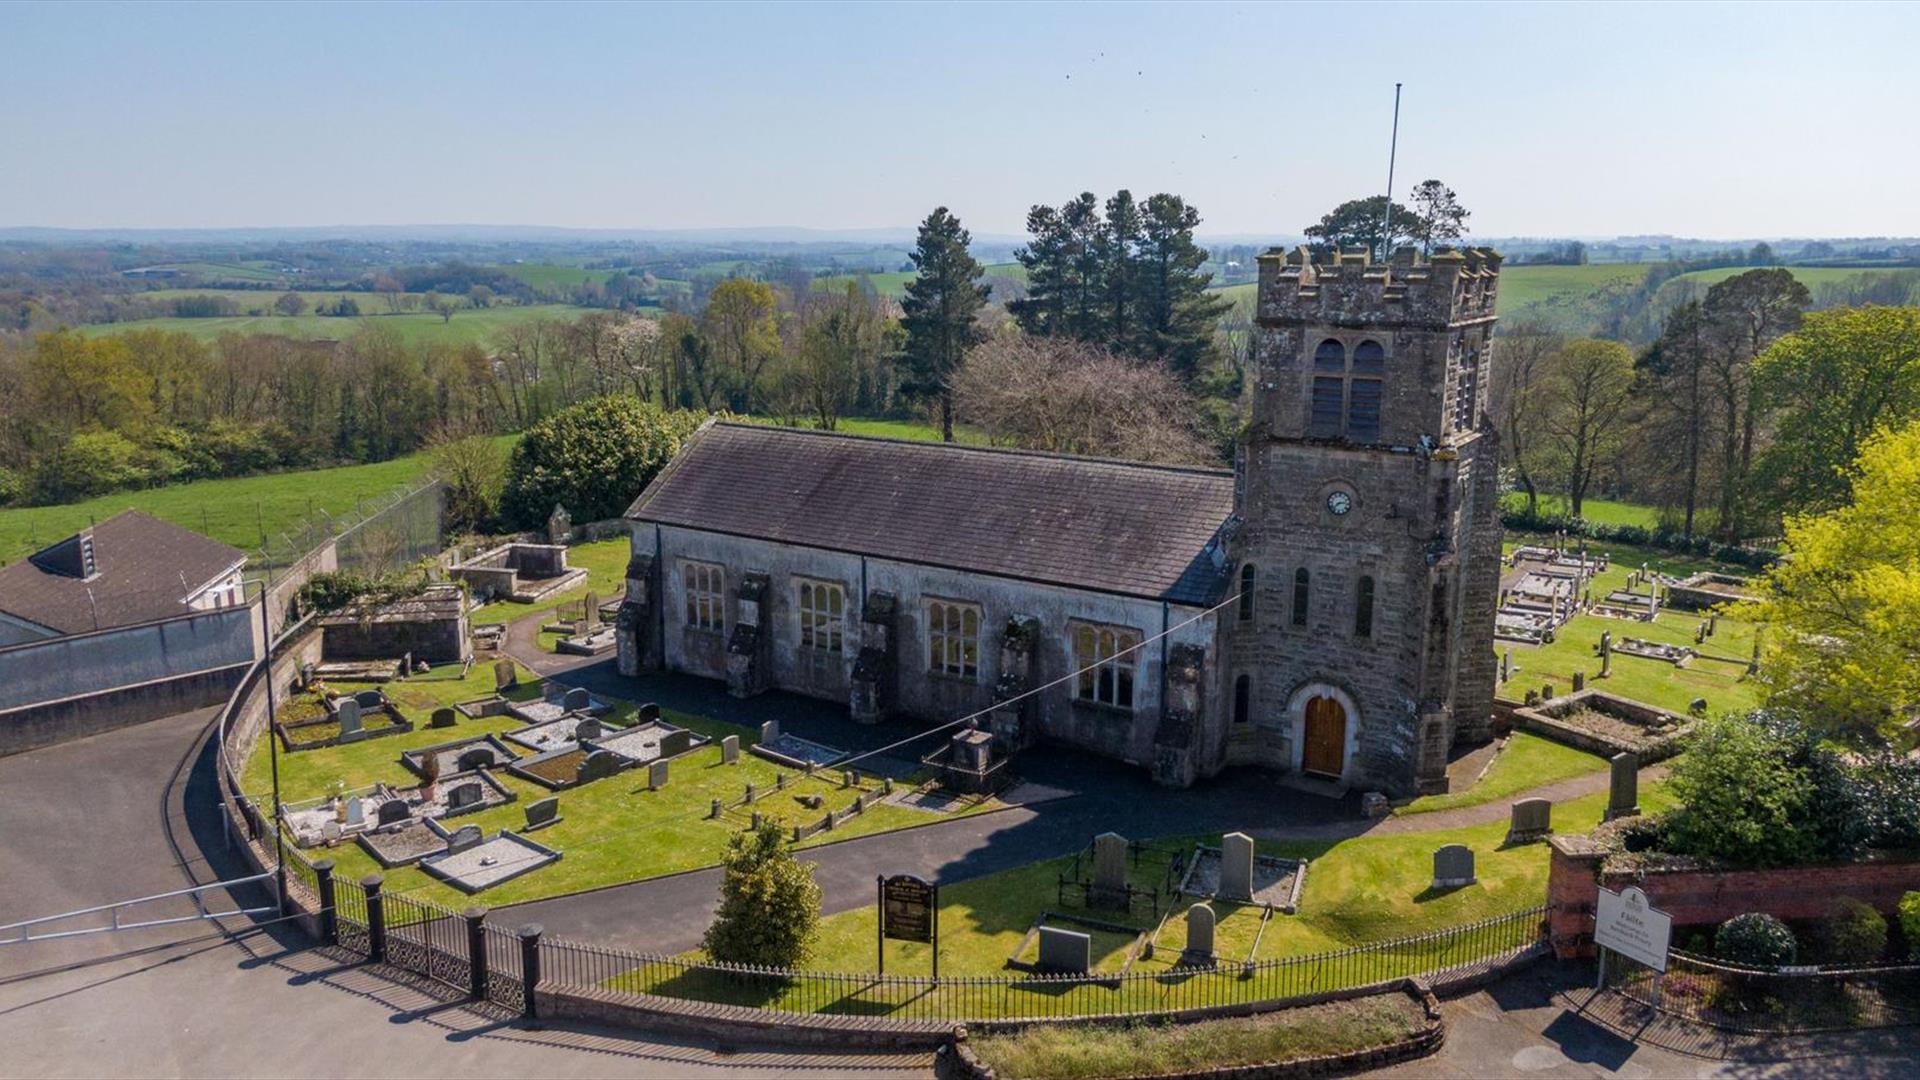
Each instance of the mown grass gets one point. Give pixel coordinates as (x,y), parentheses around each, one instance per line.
(415,327)
(1526,762)
(1597,511)
(1082,1053)
(605,562)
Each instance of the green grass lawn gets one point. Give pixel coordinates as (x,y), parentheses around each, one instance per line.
(416,327)
(555,275)
(1718,675)
(1598,511)
(915,430)
(1526,762)
(614,830)
(235,511)
(605,562)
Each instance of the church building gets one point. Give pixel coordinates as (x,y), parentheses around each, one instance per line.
(1324,608)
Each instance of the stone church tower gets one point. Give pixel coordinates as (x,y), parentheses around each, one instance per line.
(1367,543)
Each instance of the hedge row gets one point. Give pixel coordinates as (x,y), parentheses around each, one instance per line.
(1661,537)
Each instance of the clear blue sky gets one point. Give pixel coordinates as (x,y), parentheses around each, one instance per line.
(1703,120)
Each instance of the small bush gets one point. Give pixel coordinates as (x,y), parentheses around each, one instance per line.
(1852,933)
(769,902)
(1756,940)
(1910,921)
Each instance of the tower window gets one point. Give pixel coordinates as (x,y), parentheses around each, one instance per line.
(1242,699)
(1346,396)
(1302,592)
(1246,593)
(1363,608)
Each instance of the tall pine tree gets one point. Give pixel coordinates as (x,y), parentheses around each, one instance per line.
(941,312)
(1177,315)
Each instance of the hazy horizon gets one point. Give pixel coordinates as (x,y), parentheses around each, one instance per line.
(1700,121)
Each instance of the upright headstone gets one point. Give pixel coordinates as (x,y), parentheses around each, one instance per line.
(461,796)
(443,717)
(1506,664)
(391,811)
(370,699)
(1623,794)
(587,728)
(577,699)
(598,765)
(591,610)
(648,712)
(769,731)
(504,675)
(1606,653)
(730,750)
(1579,681)
(559,525)
(1531,819)
(1109,871)
(1236,867)
(356,812)
(348,714)
(329,832)
(1065,951)
(656,775)
(462,838)
(1199,950)
(480,757)
(1453,866)
(675,743)
(543,812)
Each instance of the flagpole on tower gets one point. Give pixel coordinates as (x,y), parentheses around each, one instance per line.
(1393,149)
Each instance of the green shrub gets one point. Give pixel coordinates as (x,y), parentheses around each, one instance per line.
(91,463)
(1742,799)
(592,458)
(13,487)
(1852,933)
(769,902)
(1910,921)
(1756,940)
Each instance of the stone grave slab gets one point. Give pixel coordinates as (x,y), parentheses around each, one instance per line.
(489,862)
(1277,882)
(403,844)
(798,753)
(460,755)
(649,742)
(559,733)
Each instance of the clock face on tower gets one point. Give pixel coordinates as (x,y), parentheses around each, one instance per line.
(1339,503)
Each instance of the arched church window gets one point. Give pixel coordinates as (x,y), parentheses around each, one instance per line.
(1301,594)
(1363,608)
(1246,592)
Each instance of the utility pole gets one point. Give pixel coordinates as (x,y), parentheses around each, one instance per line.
(1393,149)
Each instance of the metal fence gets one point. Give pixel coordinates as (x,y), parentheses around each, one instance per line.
(1773,1001)
(1451,952)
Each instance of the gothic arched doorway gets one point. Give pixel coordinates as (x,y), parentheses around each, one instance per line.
(1323,750)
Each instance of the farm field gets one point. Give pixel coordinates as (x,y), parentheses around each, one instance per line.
(250,270)
(233,510)
(416,327)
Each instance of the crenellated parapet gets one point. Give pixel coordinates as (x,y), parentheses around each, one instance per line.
(1348,288)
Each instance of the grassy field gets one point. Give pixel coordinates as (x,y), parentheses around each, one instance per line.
(252,270)
(1811,276)
(235,511)
(1526,762)
(554,275)
(1598,511)
(915,430)
(615,830)
(416,327)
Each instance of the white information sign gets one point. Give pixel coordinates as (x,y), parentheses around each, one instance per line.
(1624,922)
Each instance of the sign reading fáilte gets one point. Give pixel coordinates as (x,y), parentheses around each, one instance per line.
(1626,923)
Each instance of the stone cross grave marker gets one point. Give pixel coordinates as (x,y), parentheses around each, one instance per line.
(588,728)
(1199,948)
(1623,793)
(461,796)
(504,675)
(1236,867)
(462,838)
(480,757)
(769,731)
(356,812)
(598,765)
(656,775)
(730,750)
(1453,866)
(577,700)
(443,717)
(391,811)
(1066,951)
(348,714)
(1530,819)
(1109,871)
(543,812)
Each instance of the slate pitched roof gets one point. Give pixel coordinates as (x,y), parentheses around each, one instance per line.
(1087,523)
(145,570)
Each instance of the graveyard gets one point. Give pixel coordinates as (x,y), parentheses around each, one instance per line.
(651,812)
(1522,762)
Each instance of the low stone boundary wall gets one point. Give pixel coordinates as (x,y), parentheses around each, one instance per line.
(52,722)
(964,1064)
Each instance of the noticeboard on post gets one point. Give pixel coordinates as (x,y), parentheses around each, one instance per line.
(906,908)
(1626,923)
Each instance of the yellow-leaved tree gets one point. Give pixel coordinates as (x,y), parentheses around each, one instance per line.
(1843,608)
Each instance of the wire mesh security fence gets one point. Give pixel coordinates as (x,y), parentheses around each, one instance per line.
(601,970)
(1772,1001)
(377,532)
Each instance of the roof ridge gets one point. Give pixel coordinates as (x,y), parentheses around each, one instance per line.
(1005,451)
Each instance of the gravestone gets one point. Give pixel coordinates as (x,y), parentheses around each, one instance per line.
(406,665)
(559,525)
(330,833)
(480,757)
(588,728)
(730,750)
(1623,794)
(577,700)
(356,812)
(391,811)
(592,610)
(598,765)
(462,838)
(1713,623)
(1579,681)
(1453,867)
(1697,708)
(1109,871)
(1530,819)
(461,796)
(443,717)
(649,711)
(1506,665)
(1199,948)
(505,677)
(675,743)
(1066,951)
(656,775)
(769,731)
(543,812)
(1236,867)
(369,699)
(1606,653)
(348,714)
